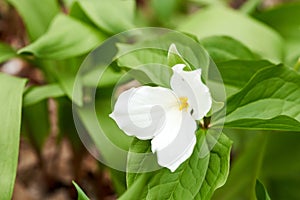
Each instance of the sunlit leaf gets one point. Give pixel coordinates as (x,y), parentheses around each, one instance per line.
(223,21)
(10,108)
(112,16)
(36,15)
(64,43)
(270,101)
(196,178)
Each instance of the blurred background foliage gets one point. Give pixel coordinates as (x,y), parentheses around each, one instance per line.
(46,42)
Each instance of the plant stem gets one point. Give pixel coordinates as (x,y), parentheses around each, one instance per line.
(135,191)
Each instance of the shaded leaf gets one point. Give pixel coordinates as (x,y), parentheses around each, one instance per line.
(261,192)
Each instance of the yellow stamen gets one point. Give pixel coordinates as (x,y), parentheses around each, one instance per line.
(183,103)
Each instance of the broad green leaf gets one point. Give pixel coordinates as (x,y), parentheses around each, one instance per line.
(154,49)
(164,10)
(224,48)
(223,21)
(261,192)
(152,74)
(236,81)
(284,19)
(36,15)
(142,57)
(39,93)
(6,52)
(10,108)
(270,101)
(81,194)
(112,16)
(64,43)
(245,169)
(196,178)
(108,78)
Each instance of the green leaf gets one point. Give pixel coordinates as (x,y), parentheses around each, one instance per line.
(36,15)
(64,43)
(261,192)
(284,19)
(112,16)
(233,81)
(241,185)
(250,6)
(36,132)
(39,93)
(207,22)
(270,101)
(81,194)
(6,52)
(103,131)
(10,108)
(224,48)
(66,73)
(196,178)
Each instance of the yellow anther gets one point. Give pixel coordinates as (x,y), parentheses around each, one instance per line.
(183,103)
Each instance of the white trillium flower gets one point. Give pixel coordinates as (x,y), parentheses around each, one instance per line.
(166,116)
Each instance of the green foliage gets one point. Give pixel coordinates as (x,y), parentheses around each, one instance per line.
(36,15)
(251,53)
(6,52)
(81,194)
(60,42)
(278,105)
(284,19)
(111,16)
(10,109)
(196,178)
(231,49)
(39,93)
(258,37)
(261,192)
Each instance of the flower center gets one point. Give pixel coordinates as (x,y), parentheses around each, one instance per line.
(183,103)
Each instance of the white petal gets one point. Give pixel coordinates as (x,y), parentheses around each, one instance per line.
(169,130)
(182,147)
(143,111)
(189,84)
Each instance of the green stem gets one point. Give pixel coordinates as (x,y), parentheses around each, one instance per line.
(135,190)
